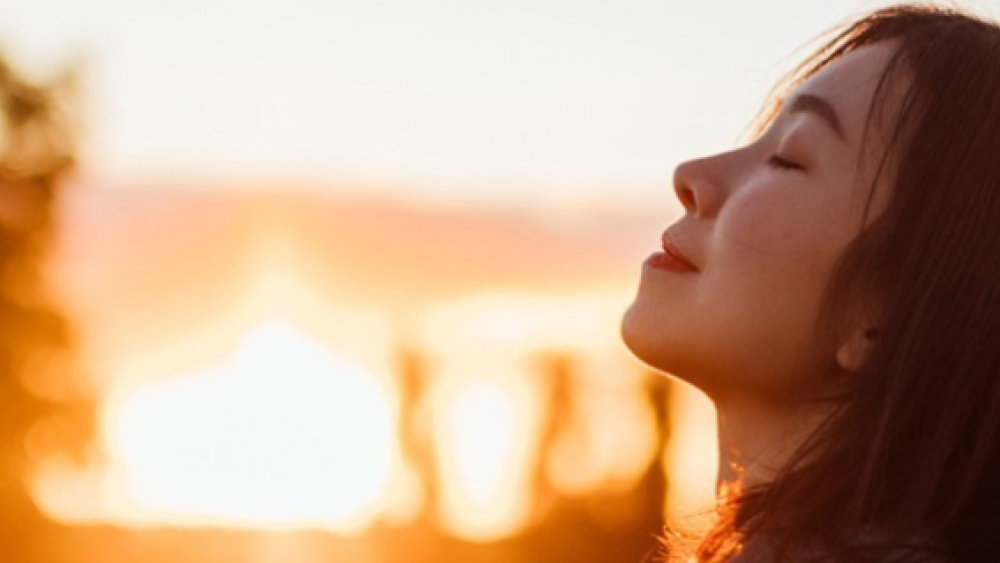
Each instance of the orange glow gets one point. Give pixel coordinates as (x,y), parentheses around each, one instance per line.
(298,425)
(482,423)
(692,457)
(485,423)
(283,434)
(611,440)
(521,323)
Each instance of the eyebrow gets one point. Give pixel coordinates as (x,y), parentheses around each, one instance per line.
(821,108)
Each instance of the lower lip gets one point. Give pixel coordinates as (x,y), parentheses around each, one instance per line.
(667,262)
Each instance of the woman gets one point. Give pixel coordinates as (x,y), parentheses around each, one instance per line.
(834,288)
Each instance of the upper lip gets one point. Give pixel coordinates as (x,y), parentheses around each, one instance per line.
(670,247)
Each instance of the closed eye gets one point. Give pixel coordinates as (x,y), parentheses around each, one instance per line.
(781,163)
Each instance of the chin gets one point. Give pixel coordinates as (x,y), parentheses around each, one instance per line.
(657,347)
(640,339)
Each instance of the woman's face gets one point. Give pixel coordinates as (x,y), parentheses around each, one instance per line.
(732,302)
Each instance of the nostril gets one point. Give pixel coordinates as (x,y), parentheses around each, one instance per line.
(686,196)
(683,177)
(700,185)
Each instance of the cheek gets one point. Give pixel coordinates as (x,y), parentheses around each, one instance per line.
(767,281)
(786,228)
(772,226)
(774,259)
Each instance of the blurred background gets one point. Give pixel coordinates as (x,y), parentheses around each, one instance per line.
(310,281)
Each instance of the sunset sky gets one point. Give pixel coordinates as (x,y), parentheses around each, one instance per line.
(463,100)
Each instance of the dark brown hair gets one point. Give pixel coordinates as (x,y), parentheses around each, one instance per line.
(907,468)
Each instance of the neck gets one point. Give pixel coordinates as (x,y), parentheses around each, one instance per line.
(757,439)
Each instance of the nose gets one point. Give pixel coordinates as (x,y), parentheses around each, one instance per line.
(699,186)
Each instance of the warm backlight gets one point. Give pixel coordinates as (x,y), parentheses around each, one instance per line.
(692,458)
(485,424)
(283,434)
(482,424)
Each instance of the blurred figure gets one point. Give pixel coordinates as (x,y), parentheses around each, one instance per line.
(562,417)
(414,427)
(565,416)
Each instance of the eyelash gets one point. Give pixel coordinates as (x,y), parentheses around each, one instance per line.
(782,163)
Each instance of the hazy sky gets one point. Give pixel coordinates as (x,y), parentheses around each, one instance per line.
(459,98)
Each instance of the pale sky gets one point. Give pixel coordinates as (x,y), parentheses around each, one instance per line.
(465,99)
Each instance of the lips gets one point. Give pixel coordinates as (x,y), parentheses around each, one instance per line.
(670,248)
(671,259)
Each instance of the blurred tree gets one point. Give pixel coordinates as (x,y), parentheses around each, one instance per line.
(46,409)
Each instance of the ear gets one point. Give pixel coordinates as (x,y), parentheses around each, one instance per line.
(854,350)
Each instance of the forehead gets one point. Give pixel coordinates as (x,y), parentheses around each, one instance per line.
(849,84)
